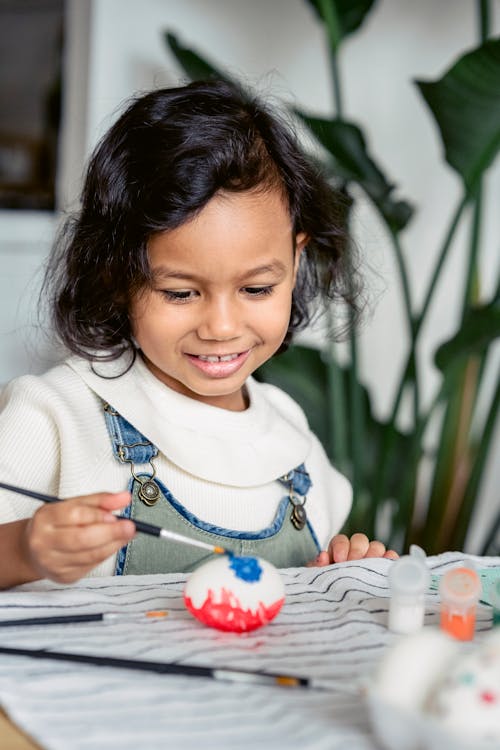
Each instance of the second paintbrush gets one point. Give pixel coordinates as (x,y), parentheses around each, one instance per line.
(144,528)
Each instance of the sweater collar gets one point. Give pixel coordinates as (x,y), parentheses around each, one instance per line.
(243,449)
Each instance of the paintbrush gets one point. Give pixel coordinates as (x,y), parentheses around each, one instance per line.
(144,528)
(151,616)
(188,670)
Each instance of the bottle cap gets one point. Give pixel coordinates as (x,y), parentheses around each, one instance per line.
(409,576)
(460,588)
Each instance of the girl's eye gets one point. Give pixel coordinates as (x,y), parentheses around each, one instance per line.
(177,295)
(258,291)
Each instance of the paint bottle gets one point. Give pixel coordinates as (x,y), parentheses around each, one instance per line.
(409,580)
(460,589)
(494,593)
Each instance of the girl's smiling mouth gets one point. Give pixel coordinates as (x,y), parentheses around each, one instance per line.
(219,365)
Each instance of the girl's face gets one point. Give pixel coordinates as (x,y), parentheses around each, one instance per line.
(219,305)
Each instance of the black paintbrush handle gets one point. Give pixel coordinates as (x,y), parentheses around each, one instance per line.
(110,661)
(29,493)
(145,528)
(52,620)
(159,667)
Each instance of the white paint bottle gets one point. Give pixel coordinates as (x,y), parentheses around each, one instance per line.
(409,579)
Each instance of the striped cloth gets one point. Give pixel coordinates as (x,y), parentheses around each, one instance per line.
(331,628)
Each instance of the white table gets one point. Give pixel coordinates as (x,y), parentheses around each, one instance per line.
(332,626)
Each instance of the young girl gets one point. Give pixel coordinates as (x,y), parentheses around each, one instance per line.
(204,237)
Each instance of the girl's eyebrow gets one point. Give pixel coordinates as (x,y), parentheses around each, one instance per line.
(276,267)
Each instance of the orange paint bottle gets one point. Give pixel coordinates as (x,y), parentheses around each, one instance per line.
(460,589)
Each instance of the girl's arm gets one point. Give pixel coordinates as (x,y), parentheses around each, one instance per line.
(63,541)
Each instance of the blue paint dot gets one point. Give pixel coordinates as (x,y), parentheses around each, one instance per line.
(246,568)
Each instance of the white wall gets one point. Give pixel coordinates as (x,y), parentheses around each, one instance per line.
(278,46)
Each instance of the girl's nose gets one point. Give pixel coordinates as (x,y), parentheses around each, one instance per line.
(220,321)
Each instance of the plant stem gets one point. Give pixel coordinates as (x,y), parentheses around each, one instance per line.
(471,279)
(387,446)
(329,12)
(337,94)
(477,473)
(337,406)
(357,422)
(484,19)
(410,322)
(449,513)
(404,515)
(441,259)
(419,319)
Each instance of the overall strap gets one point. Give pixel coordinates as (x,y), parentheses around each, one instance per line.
(130,446)
(297,480)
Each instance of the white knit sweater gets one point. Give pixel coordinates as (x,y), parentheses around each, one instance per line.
(221,465)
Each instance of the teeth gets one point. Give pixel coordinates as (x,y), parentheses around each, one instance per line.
(214,358)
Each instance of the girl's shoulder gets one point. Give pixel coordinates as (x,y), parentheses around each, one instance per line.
(56,383)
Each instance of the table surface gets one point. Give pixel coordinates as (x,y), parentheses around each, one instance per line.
(332,628)
(12,738)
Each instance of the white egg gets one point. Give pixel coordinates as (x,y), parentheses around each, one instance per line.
(235,593)
(413,665)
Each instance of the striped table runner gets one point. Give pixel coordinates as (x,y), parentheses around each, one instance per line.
(332,627)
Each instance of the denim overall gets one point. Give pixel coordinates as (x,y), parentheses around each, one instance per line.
(290,540)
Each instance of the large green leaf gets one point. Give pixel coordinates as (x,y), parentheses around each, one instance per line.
(351,161)
(480,327)
(196,67)
(466,105)
(342,17)
(303,373)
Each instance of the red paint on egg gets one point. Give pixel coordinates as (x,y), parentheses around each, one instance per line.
(225,612)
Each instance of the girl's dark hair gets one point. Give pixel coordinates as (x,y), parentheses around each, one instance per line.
(167,155)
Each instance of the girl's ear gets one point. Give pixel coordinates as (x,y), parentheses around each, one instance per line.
(301,241)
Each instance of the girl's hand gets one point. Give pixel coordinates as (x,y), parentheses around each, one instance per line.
(341,548)
(64,541)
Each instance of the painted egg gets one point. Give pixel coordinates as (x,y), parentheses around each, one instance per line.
(467,699)
(235,593)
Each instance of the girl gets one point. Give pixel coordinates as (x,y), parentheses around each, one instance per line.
(204,237)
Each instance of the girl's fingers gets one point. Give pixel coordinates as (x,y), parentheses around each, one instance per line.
(338,549)
(113,500)
(70,569)
(341,549)
(320,561)
(91,536)
(375,549)
(79,511)
(359,547)
(391,555)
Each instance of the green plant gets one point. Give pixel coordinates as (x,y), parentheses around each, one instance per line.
(382,460)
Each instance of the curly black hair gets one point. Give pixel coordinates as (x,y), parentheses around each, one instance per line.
(160,163)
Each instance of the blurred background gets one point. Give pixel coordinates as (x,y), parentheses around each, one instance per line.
(67,65)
